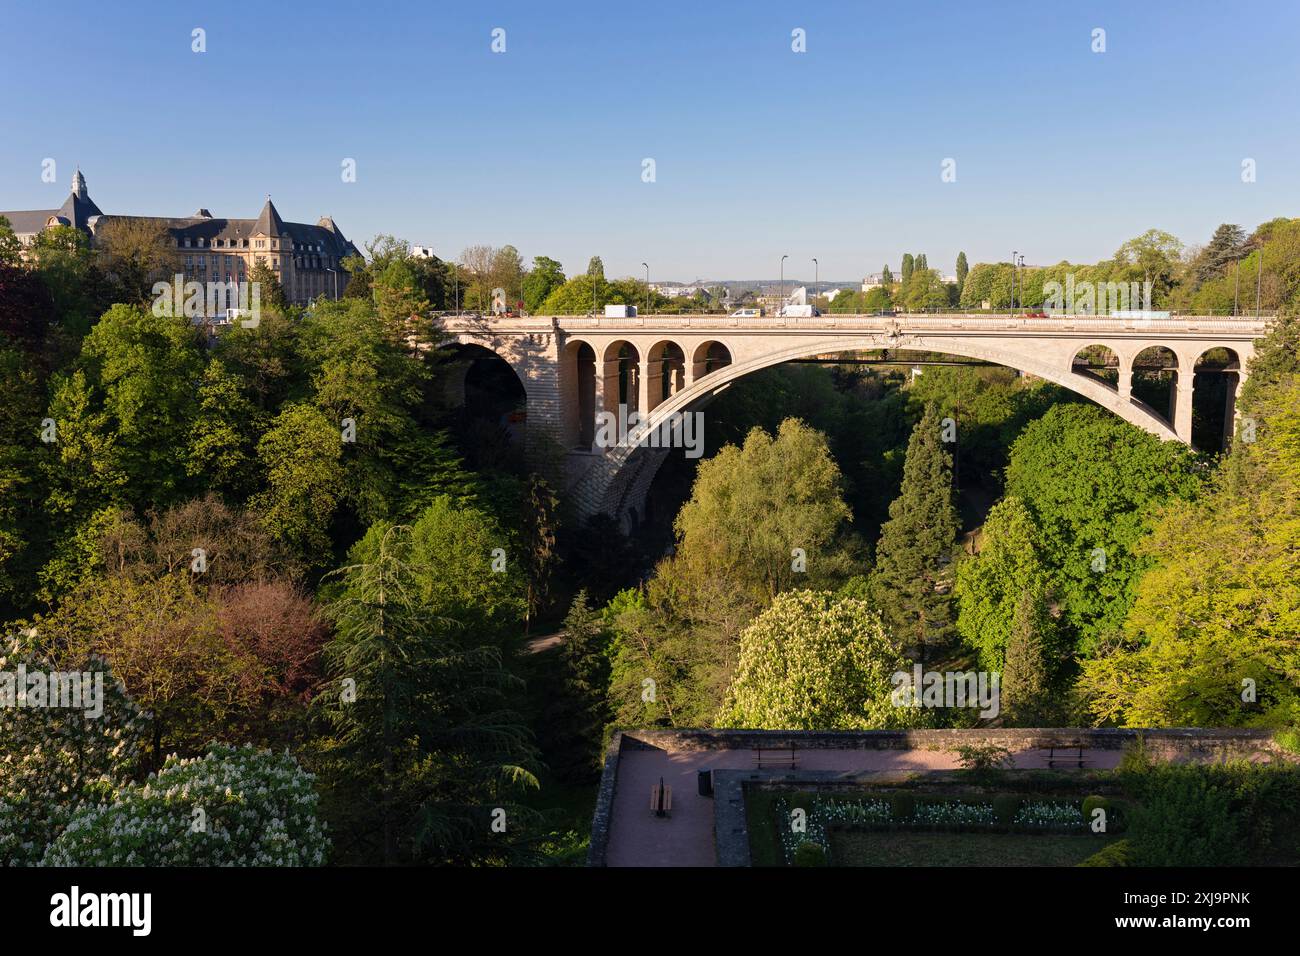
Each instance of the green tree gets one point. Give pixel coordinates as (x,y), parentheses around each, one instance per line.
(1155,257)
(1024,688)
(455,553)
(22,492)
(424,745)
(124,413)
(990,584)
(812,662)
(752,507)
(1091,482)
(576,717)
(910,581)
(963,269)
(400,300)
(269,290)
(134,252)
(542,279)
(10,247)
(1210,637)
(223,435)
(1224,247)
(540,520)
(301,456)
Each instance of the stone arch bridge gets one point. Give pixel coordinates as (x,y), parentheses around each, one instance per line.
(573,367)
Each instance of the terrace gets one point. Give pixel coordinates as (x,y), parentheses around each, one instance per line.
(712,830)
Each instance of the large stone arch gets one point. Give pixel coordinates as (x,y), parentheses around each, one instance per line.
(536,360)
(618,480)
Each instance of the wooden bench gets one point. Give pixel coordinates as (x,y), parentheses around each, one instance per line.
(661,799)
(786,757)
(1067,756)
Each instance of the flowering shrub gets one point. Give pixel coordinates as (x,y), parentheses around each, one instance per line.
(954,814)
(55,760)
(1048,815)
(231,807)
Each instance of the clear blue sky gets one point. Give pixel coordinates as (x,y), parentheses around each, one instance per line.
(833,153)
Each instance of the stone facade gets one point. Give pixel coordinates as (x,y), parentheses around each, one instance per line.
(305,258)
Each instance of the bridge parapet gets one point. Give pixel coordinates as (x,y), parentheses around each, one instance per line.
(1235,326)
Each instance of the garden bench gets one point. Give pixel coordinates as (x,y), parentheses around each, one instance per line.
(784,756)
(661,799)
(1067,756)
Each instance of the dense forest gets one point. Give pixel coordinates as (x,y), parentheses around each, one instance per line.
(310,579)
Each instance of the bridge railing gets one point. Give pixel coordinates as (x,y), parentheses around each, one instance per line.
(937,321)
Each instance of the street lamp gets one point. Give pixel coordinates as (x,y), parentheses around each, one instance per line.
(336,283)
(815,278)
(1013,281)
(1021,284)
(1259,280)
(647,288)
(783,258)
(1236,285)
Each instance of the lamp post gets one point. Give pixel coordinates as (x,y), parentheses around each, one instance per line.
(1020,264)
(1259,280)
(647,288)
(336,283)
(783,258)
(1236,286)
(816,279)
(1013,281)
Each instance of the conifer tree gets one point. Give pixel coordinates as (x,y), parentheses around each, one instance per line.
(913,558)
(580,711)
(1024,677)
(963,269)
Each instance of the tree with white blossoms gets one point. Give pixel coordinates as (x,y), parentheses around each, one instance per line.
(815,662)
(234,806)
(56,760)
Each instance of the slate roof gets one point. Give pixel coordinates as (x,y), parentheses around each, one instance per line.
(79,210)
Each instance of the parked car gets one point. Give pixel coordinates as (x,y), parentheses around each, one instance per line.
(746,313)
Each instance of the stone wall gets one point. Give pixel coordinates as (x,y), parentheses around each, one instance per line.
(1161,742)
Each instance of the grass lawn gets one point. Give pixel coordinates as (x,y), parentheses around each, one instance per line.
(895,848)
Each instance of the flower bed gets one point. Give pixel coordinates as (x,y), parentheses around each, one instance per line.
(1051,815)
(919,813)
(951,814)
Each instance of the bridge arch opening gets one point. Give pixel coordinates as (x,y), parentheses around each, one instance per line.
(580,369)
(1098,363)
(621,376)
(708,357)
(1216,375)
(1154,380)
(665,372)
(489,405)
